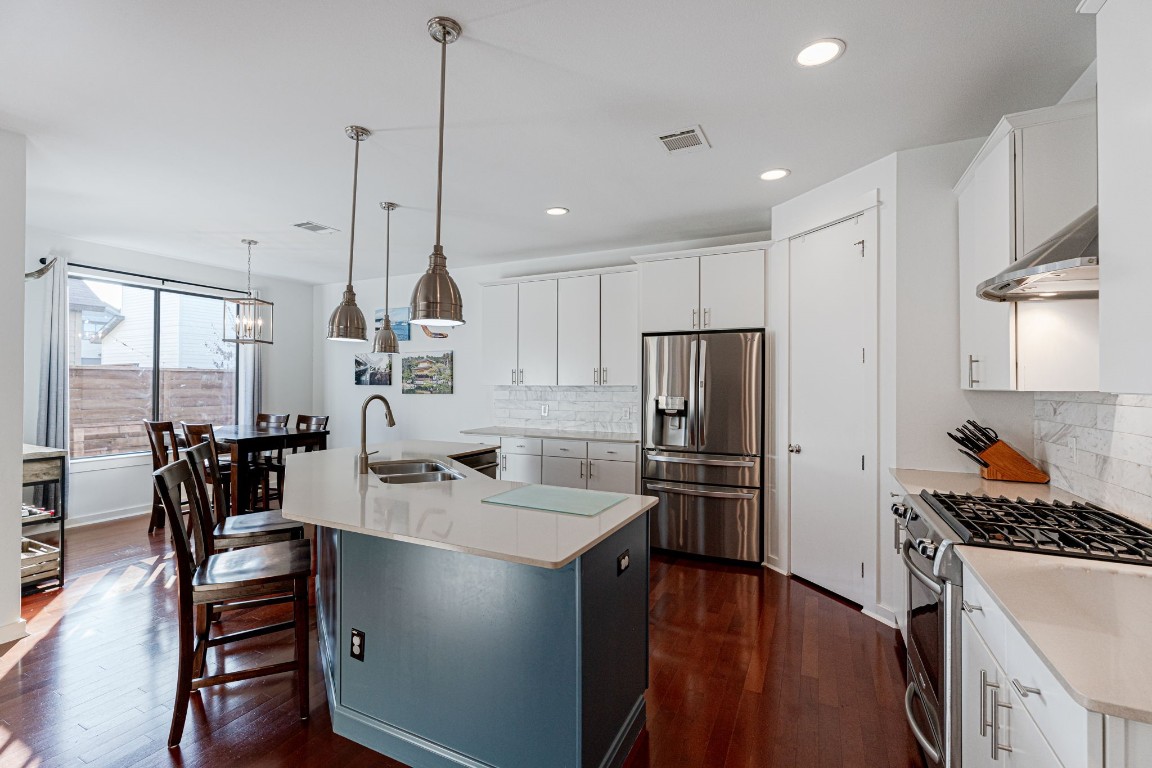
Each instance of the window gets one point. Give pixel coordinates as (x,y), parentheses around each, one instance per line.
(138,353)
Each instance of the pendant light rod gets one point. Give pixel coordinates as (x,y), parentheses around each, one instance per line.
(388,208)
(440,149)
(357,134)
(249,243)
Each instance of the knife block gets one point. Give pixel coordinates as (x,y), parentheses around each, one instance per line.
(1004,463)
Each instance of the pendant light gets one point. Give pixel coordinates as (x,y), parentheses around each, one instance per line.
(385,340)
(436,299)
(248,320)
(347,321)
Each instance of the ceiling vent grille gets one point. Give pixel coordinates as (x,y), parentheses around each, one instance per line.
(685,141)
(312,226)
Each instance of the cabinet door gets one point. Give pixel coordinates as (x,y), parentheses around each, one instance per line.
(1018,732)
(732,290)
(578,331)
(670,295)
(569,473)
(537,324)
(520,468)
(979,672)
(619,329)
(1057,163)
(614,476)
(498,333)
(987,332)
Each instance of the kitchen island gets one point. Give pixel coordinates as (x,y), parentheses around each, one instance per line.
(486,635)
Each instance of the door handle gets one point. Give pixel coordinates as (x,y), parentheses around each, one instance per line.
(793,448)
(589,469)
(707,319)
(581,470)
(604,376)
(972,382)
(694,492)
(513,377)
(997,705)
(595,375)
(694,318)
(1025,690)
(521,376)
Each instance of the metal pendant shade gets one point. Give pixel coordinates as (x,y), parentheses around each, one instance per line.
(385,340)
(436,298)
(347,321)
(247,320)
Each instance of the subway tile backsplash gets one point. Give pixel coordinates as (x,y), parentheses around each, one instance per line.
(1098,446)
(595,409)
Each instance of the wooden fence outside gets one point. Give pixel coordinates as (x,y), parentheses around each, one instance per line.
(108,404)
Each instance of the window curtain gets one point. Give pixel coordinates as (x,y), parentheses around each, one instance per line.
(52,416)
(251,381)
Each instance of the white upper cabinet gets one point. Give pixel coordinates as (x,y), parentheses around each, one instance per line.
(710,292)
(670,295)
(1123,72)
(537,332)
(732,290)
(498,331)
(1034,176)
(578,333)
(619,329)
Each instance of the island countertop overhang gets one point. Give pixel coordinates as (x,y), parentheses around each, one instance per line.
(325,489)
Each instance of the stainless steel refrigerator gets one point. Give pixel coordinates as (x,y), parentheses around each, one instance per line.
(703,442)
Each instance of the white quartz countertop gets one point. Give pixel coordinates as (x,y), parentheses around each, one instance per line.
(327,490)
(555,434)
(1087,619)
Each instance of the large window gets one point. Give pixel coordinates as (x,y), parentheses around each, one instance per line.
(138,353)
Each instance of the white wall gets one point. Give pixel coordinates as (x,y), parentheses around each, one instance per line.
(12,205)
(919,331)
(104,488)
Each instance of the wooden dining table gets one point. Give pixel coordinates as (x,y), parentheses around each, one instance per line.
(247,441)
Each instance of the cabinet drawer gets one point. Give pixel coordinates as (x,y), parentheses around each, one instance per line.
(1064,723)
(568,449)
(526,445)
(987,618)
(612,451)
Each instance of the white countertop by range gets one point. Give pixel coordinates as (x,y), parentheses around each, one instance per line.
(555,434)
(1087,619)
(328,491)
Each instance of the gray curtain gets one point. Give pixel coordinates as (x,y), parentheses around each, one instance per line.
(52,416)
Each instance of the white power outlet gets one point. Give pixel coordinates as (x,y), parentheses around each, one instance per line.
(544,410)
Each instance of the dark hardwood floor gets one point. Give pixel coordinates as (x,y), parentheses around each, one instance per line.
(748,668)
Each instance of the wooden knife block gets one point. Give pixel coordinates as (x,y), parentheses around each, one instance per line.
(1004,463)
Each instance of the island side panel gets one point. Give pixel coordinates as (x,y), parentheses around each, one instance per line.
(473,654)
(614,644)
(327,607)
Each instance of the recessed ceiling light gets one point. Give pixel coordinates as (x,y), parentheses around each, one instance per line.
(557,211)
(821,52)
(774,174)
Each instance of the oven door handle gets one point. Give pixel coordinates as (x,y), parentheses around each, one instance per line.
(932,584)
(930,750)
(694,492)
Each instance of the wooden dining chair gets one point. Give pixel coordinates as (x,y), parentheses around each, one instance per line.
(165,450)
(239,579)
(271,463)
(233,531)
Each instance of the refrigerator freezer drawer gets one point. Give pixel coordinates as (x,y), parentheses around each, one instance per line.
(702,468)
(706,520)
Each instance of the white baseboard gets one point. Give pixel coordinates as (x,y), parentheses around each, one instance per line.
(14,631)
(881,615)
(776,568)
(103,517)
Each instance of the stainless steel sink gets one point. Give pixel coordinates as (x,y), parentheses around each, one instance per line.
(413,471)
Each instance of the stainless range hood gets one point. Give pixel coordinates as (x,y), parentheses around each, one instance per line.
(1065,266)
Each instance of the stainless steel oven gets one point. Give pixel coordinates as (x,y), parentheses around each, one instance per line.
(931,700)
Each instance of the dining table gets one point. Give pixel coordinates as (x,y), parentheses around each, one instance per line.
(247,441)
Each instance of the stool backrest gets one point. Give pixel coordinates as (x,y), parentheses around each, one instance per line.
(272,420)
(310,423)
(194,434)
(162,440)
(206,468)
(192,544)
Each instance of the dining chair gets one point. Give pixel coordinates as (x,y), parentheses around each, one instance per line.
(238,579)
(232,531)
(271,463)
(165,449)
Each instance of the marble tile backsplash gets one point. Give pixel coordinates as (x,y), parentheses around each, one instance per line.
(597,409)
(1098,446)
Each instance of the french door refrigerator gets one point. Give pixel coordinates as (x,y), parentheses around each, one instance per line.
(703,436)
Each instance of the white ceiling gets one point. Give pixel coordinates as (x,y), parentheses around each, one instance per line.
(179,128)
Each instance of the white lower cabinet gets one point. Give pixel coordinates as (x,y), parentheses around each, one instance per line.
(568,473)
(520,467)
(570,463)
(613,476)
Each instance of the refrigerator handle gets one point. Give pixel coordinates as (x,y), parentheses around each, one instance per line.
(693,397)
(701,398)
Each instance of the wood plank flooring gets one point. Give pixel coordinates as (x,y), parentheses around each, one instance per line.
(748,668)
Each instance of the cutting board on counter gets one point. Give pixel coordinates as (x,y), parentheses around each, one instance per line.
(552,498)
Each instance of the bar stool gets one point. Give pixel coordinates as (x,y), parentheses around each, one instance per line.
(232,531)
(244,578)
(165,449)
(271,463)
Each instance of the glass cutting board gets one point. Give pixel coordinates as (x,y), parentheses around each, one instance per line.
(552,498)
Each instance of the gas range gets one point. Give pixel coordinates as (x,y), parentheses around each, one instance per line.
(1052,528)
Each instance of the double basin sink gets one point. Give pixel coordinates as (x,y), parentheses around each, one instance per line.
(413,471)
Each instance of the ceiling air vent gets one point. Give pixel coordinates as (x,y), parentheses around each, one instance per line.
(688,140)
(312,226)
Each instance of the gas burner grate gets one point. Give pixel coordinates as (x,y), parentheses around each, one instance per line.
(1054,528)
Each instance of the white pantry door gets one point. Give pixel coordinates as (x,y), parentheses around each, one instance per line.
(833,406)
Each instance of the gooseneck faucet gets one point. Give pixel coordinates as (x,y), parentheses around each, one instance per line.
(363,457)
